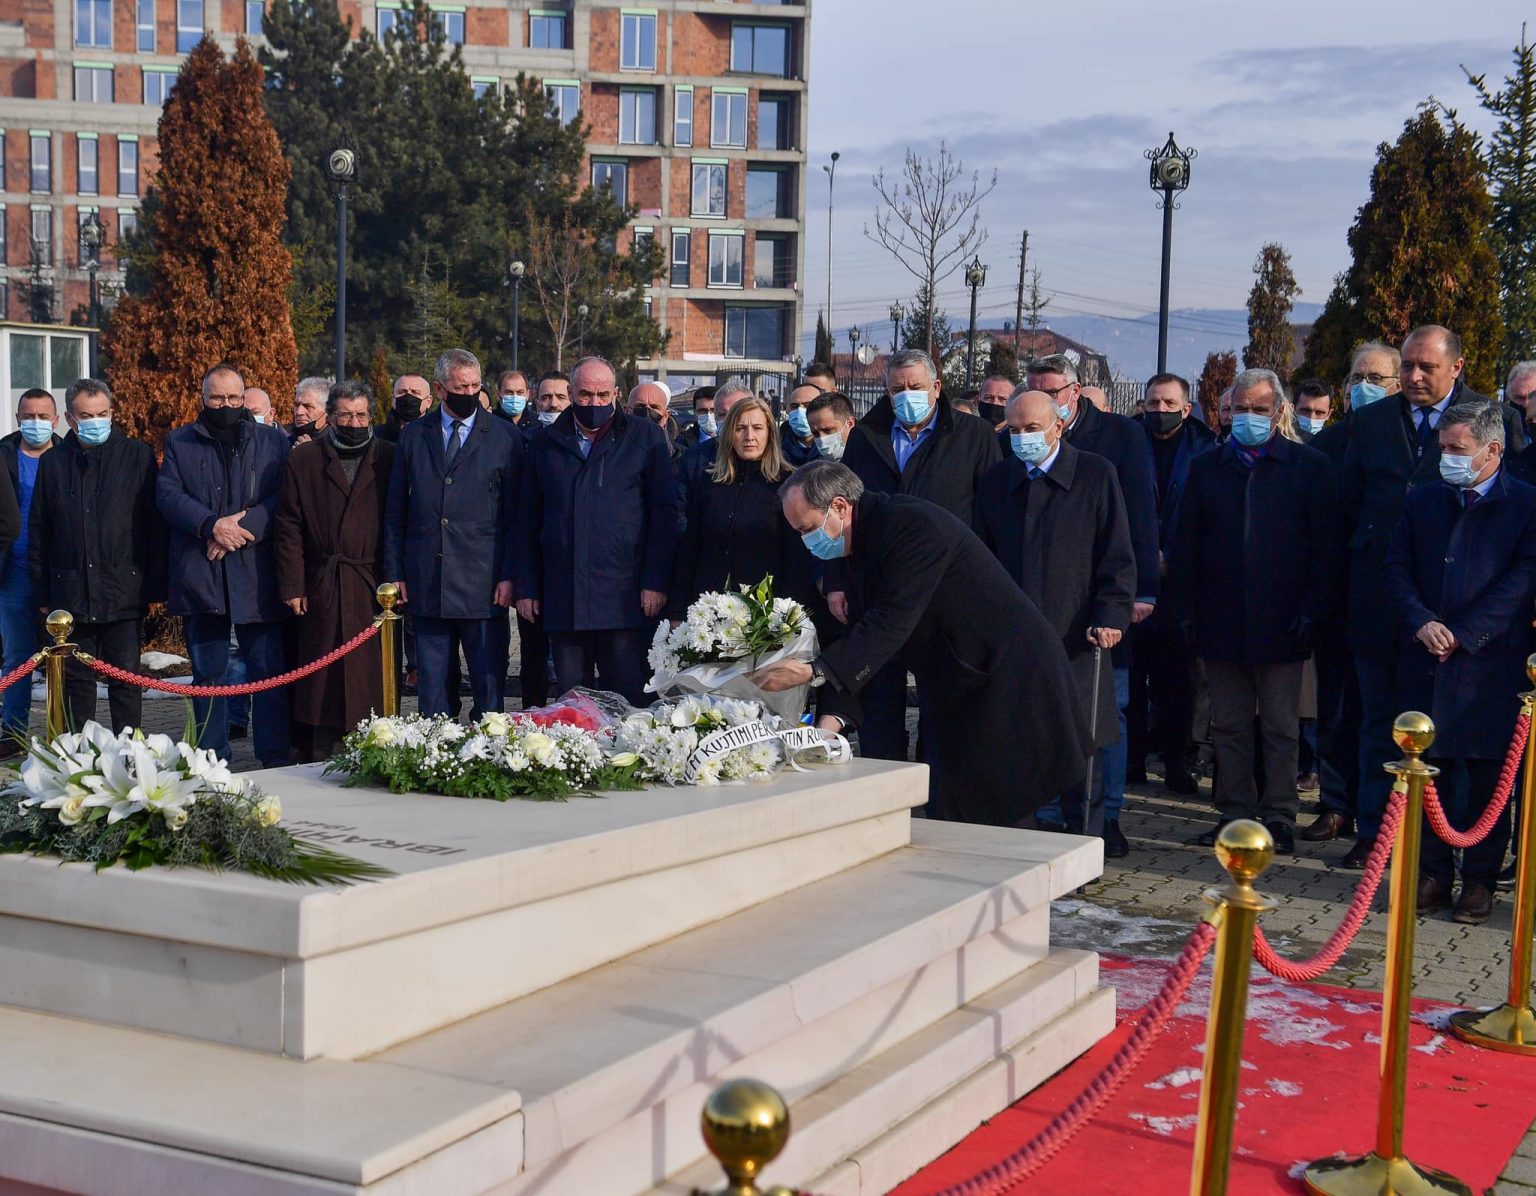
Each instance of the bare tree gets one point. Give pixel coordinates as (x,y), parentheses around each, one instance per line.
(929,218)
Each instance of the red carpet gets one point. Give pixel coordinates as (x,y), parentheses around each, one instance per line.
(1310,1056)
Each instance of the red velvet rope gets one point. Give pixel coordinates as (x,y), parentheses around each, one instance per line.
(228,691)
(1480,830)
(1304,970)
(20,671)
(1034,1154)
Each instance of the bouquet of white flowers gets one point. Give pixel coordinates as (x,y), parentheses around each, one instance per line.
(724,638)
(98,798)
(666,738)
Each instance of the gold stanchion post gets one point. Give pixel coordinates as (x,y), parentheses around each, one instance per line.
(388,594)
(1512,1026)
(1245,849)
(746,1127)
(61,625)
(1385,1172)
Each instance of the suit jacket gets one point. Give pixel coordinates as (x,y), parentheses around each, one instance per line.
(918,580)
(1065,539)
(1194,439)
(1473,570)
(945,468)
(449,529)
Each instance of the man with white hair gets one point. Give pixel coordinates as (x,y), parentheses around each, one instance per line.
(309,409)
(1519,387)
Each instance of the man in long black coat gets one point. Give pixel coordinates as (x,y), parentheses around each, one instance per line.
(1253,572)
(1392,447)
(599,530)
(449,535)
(1008,731)
(96,546)
(1055,518)
(1461,576)
(912,442)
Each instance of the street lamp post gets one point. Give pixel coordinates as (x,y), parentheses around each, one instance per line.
(342,167)
(582,311)
(853,348)
(831,178)
(897,312)
(516,270)
(91,237)
(1169,175)
(975,278)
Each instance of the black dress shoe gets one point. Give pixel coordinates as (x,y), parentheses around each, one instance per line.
(238,730)
(1506,881)
(1181,781)
(1284,835)
(1208,839)
(1327,825)
(1116,845)
(1356,856)
(1474,905)
(1434,894)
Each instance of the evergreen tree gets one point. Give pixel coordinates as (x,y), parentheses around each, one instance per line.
(824,347)
(1003,360)
(1512,170)
(926,325)
(1328,347)
(1218,374)
(1034,306)
(1269,313)
(217,272)
(1422,252)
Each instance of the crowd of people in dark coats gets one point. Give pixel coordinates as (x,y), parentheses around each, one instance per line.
(1256,600)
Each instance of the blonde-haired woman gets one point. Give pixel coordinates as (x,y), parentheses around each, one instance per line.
(736,533)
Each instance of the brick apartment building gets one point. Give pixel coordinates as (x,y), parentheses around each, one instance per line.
(697,111)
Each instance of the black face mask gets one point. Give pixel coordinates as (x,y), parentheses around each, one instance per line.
(653,415)
(351,438)
(993,413)
(593,417)
(1164,422)
(222,419)
(461,406)
(407,408)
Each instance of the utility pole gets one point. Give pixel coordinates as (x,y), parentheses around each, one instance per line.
(1018,310)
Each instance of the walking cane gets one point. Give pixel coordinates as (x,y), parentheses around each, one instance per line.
(1093,735)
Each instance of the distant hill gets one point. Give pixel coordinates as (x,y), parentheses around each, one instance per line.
(1131,344)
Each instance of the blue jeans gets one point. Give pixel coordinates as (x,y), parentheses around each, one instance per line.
(236,674)
(1378,710)
(262,646)
(21,629)
(1112,759)
(1108,797)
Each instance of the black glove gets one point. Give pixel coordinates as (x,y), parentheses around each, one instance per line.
(1303,633)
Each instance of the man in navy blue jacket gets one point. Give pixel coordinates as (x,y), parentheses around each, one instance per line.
(449,538)
(1461,576)
(598,531)
(218,489)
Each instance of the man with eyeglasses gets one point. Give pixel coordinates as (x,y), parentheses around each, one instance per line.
(450,536)
(1520,386)
(597,535)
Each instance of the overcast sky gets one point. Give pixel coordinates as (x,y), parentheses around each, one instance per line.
(1285,103)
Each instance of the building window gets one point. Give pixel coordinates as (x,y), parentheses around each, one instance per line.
(127,167)
(42,236)
(93,23)
(615,177)
(682,252)
(144,25)
(637,41)
(546,30)
(255,15)
(773,116)
(637,116)
(189,25)
(452,25)
(5,255)
(565,98)
(42,162)
(682,116)
(82,253)
(755,332)
(93,84)
(725,258)
(483,86)
(728,120)
(709,188)
(643,240)
(5,300)
(127,223)
(385,20)
(760,49)
(89,166)
(770,262)
(158,86)
(767,193)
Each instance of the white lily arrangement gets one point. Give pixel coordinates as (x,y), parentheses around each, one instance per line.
(666,739)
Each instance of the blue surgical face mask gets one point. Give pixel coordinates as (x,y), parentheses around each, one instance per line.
(1311,424)
(1459,471)
(36,432)
(513,405)
(259,418)
(1064,412)
(912,406)
(706,423)
(1363,394)
(548,417)
(799,423)
(823,546)
(93,431)
(1030,447)
(830,446)
(1249,429)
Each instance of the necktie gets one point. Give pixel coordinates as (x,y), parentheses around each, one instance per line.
(454,441)
(1426,433)
(1035,472)
(1468,497)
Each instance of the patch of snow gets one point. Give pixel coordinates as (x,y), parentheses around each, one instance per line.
(1167,1126)
(1440,1019)
(1284,1087)
(1177,1079)
(1298,1169)
(155,661)
(1430,1047)
(1122,931)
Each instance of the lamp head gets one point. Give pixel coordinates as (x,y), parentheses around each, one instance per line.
(341,166)
(517,269)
